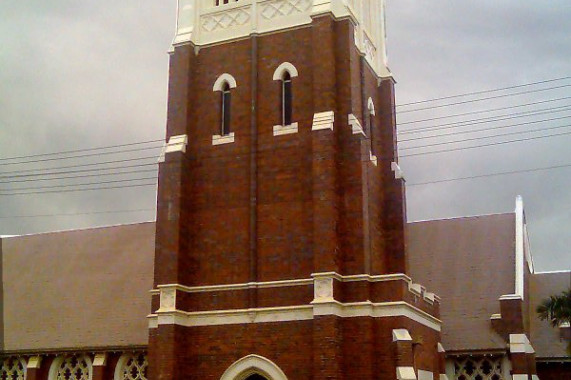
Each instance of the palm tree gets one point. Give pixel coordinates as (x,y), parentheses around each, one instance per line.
(557,310)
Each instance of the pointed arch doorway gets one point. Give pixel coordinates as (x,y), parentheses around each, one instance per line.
(253,367)
(256,377)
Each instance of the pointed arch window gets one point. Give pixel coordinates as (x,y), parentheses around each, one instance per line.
(287,98)
(225,106)
(285,74)
(224,84)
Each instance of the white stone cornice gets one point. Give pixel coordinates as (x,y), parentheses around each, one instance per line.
(294,313)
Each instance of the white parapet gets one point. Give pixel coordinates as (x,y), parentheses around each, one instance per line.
(205,22)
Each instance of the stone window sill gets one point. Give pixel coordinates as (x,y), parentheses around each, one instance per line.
(223,139)
(285,129)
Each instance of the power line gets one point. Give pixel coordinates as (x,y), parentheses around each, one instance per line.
(486,98)
(484,145)
(90,189)
(484,129)
(482,111)
(79,156)
(77,213)
(79,184)
(81,165)
(484,120)
(80,176)
(77,171)
(82,150)
(484,91)
(489,175)
(485,137)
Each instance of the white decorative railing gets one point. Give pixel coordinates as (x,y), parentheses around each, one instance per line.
(204,22)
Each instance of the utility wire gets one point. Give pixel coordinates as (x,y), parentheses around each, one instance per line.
(485,137)
(78,184)
(484,145)
(78,213)
(485,120)
(81,165)
(80,176)
(81,150)
(488,175)
(78,171)
(483,111)
(90,189)
(486,98)
(80,156)
(484,91)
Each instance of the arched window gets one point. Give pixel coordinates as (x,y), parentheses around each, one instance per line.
(224,84)
(13,369)
(132,366)
(371,113)
(71,367)
(286,99)
(284,74)
(225,106)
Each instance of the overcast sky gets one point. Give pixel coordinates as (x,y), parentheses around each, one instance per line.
(78,75)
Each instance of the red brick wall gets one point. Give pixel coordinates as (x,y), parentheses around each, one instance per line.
(553,370)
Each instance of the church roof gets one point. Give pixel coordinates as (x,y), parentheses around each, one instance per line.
(77,289)
(469,262)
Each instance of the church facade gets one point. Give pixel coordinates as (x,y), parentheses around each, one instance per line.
(280,249)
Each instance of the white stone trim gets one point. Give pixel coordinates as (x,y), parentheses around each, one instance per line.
(285,129)
(252,364)
(520,377)
(167,300)
(223,139)
(425,375)
(405,373)
(534,377)
(241,286)
(401,335)
(100,359)
(224,78)
(176,143)
(398,171)
(443,377)
(373,158)
(285,66)
(519,242)
(323,290)
(33,362)
(377,310)
(519,343)
(510,297)
(294,313)
(440,348)
(371,106)
(323,120)
(416,289)
(355,125)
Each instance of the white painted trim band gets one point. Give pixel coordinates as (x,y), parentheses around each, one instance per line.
(294,313)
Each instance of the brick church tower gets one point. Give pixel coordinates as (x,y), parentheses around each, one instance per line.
(280,221)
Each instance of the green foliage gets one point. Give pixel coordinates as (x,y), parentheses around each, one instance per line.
(556,309)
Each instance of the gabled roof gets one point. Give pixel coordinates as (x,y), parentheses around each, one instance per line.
(77,289)
(470,263)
